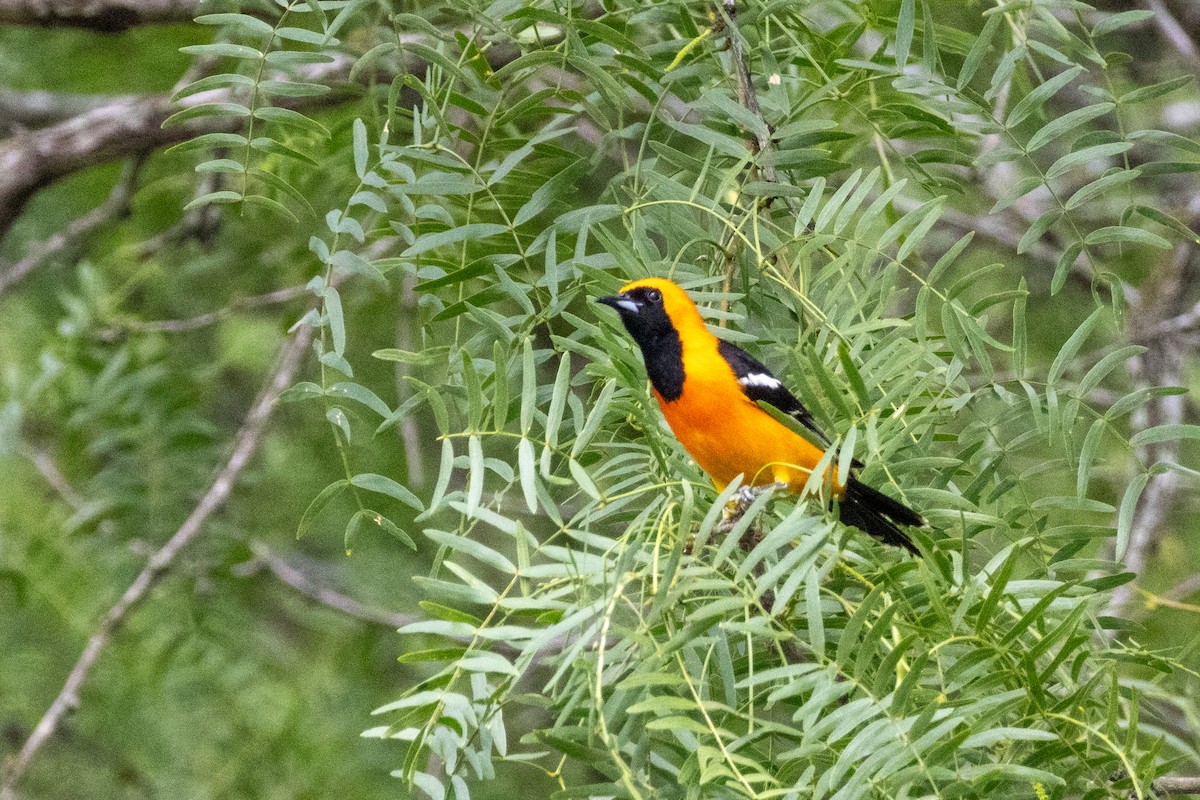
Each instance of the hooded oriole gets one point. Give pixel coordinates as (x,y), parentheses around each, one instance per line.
(709,390)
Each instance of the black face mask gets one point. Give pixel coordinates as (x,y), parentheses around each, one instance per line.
(645,317)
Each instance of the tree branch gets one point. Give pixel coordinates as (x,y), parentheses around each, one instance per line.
(1176,786)
(204,320)
(1160,365)
(105,16)
(1175,33)
(115,207)
(246,444)
(129,125)
(37,109)
(296,579)
(747,96)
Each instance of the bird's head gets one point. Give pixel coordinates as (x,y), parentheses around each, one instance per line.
(653,309)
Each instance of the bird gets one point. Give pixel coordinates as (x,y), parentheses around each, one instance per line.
(709,390)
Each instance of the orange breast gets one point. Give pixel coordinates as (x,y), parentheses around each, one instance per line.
(727,433)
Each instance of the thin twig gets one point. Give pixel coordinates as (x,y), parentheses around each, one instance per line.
(763,130)
(747,96)
(204,320)
(1160,365)
(53,476)
(246,444)
(414,456)
(302,583)
(73,237)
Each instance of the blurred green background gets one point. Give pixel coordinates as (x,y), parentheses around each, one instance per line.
(229,682)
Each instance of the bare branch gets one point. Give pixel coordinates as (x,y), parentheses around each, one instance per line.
(302,583)
(116,206)
(747,96)
(276,297)
(1160,365)
(127,126)
(37,109)
(406,330)
(132,125)
(53,476)
(1176,786)
(246,444)
(1175,33)
(106,16)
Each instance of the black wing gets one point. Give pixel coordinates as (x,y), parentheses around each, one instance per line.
(759,384)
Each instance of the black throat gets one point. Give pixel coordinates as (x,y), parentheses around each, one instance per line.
(664,365)
(661,349)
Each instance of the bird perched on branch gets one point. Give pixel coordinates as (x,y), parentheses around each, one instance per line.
(709,392)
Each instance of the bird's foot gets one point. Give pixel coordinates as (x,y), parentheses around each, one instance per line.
(740,503)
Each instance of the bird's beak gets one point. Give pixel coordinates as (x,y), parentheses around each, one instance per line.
(620,302)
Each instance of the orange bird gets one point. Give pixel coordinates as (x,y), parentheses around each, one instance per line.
(709,390)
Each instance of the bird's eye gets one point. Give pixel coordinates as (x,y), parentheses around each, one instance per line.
(654,296)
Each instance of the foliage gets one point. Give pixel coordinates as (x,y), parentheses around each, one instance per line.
(585,617)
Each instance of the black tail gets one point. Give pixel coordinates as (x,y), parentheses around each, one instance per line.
(879,515)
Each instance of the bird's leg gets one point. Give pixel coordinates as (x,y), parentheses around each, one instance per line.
(740,503)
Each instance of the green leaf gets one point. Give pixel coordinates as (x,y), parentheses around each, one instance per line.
(360,394)
(1120,234)
(1113,22)
(475,474)
(1165,433)
(1061,126)
(286,116)
(1145,93)
(391,528)
(359,520)
(337,418)
(1016,192)
(1087,454)
(999,581)
(1101,185)
(545,194)
(1186,233)
(1009,771)
(1020,332)
(1037,229)
(1033,102)
(558,401)
(905,24)
(1066,261)
(476,550)
(1070,348)
(1104,366)
(527,470)
(337,321)
(276,88)
(583,479)
(595,418)
(235,110)
(361,155)
(381,484)
(1094,153)
(319,502)
(222,50)
(221,81)
(979,49)
(472,232)
(1127,512)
